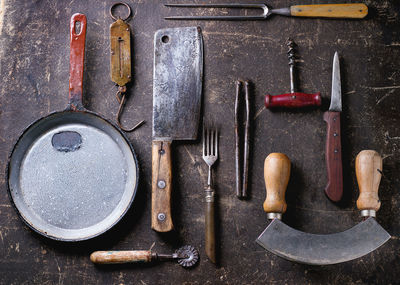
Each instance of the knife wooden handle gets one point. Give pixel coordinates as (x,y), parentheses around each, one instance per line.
(120,256)
(355,10)
(161,220)
(333,156)
(368,172)
(276,176)
(292,100)
(210,225)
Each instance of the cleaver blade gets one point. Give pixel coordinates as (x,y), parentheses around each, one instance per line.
(177,88)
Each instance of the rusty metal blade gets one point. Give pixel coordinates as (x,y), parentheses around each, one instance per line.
(336,95)
(314,249)
(177,83)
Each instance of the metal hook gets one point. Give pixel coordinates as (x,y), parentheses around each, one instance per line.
(124,4)
(121,99)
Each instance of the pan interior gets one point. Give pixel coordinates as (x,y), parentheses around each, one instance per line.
(72,175)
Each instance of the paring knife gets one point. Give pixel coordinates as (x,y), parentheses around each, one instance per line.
(177,86)
(333,150)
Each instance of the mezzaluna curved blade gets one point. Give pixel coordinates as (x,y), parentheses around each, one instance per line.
(315,249)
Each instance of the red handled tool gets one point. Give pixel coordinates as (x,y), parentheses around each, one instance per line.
(293,99)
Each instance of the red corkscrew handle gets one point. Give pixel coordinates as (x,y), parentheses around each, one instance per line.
(292,100)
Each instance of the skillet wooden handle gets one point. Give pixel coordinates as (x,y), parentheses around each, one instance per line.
(355,10)
(276,175)
(120,256)
(76,61)
(161,220)
(368,172)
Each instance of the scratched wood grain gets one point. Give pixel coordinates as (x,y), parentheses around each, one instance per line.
(34,71)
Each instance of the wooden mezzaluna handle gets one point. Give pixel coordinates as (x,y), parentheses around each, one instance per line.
(120,256)
(276,176)
(368,172)
(354,10)
(161,220)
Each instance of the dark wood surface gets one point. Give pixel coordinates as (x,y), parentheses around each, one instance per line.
(34,56)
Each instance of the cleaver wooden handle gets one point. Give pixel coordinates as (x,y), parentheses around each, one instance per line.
(368,172)
(161,220)
(276,175)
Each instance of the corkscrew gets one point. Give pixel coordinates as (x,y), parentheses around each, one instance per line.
(293,99)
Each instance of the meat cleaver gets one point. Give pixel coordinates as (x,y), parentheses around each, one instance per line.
(177,86)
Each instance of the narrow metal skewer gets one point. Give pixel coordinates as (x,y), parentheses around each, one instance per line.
(237,148)
(246,142)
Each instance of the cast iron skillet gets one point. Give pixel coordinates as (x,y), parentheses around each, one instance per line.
(72,175)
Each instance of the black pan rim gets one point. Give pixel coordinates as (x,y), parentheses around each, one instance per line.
(7,173)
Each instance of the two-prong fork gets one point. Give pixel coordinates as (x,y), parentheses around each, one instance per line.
(210,156)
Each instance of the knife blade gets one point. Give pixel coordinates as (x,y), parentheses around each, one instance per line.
(333,149)
(177,87)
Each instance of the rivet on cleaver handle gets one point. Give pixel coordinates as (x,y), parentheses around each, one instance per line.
(177,86)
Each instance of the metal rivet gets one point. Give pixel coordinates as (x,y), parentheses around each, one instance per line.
(335,134)
(161,184)
(161,216)
(161,151)
(336,151)
(294,97)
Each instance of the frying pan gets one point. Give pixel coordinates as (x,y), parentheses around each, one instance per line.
(72,175)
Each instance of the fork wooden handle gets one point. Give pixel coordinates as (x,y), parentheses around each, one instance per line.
(354,10)
(210,224)
(161,220)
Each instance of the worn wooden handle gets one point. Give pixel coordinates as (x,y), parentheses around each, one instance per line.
(161,220)
(276,176)
(368,172)
(76,60)
(333,156)
(292,100)
(122,256)
(210,225)
(355,10)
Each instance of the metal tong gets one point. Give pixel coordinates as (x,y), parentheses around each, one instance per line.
(355,10)
(242,179)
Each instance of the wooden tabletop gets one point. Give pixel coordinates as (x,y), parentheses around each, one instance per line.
(34,58)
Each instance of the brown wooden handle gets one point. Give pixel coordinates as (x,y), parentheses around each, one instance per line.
(276,175)
(120,256)
(76,61)
(368,172)
(210,225)
(333,156)
(161,220)
(355,10)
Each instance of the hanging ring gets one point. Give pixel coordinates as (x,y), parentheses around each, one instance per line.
(121,97)
(115,5)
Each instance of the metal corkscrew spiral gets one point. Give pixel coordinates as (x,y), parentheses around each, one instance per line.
(292,59)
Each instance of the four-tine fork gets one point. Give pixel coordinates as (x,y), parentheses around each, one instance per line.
(210,156)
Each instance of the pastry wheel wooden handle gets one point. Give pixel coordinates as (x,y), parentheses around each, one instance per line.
(120,256)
